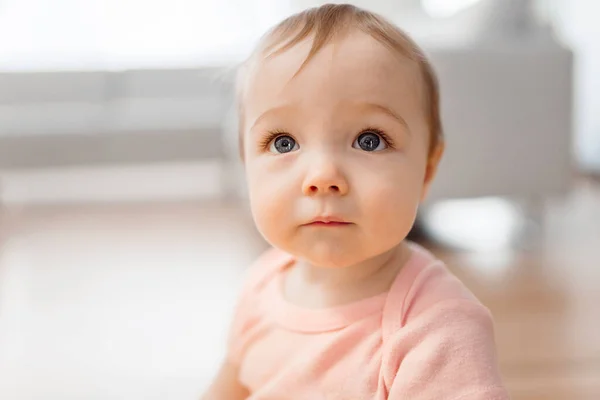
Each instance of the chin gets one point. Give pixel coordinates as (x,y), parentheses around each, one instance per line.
(328,255)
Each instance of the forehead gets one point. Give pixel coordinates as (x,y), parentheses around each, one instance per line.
(356,67)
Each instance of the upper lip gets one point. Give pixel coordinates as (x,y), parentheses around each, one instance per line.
(328,219)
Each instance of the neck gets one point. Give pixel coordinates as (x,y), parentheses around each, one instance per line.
(375,269)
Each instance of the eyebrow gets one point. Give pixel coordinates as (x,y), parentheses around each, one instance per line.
(385,110)
(368,105)
(270,111)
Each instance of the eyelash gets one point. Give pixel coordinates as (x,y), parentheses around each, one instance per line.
(272,135)
(388,140)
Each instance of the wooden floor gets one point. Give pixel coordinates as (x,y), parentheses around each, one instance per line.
(132,302)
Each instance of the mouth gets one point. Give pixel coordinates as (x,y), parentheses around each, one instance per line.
(328,222)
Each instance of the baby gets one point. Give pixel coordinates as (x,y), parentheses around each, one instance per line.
(341,136)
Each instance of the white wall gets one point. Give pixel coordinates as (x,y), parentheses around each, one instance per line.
(578,23)
(115,34)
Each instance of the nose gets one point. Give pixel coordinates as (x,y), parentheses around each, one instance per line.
(325,178)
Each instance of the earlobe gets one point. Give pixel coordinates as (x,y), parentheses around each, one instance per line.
(432,166)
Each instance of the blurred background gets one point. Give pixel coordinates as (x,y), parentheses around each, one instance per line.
(124,228)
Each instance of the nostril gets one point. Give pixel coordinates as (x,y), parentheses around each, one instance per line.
(313,189)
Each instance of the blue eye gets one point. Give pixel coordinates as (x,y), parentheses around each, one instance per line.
(283,144)
(370,141)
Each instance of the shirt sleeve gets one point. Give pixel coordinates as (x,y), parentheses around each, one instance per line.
(447,352)
(238,326)
(246,313)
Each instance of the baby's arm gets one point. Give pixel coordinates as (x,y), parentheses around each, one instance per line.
(226,385)
(447,352)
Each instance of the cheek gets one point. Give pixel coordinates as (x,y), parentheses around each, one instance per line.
(269,192)
(391,198)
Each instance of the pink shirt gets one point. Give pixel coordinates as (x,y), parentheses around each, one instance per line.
(426,338)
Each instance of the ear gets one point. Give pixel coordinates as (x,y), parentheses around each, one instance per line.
(432,166)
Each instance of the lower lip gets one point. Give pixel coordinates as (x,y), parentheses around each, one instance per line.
(329,224)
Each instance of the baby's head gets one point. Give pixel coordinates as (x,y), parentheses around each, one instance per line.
(339,121)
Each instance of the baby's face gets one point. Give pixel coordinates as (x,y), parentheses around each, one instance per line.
(346,140)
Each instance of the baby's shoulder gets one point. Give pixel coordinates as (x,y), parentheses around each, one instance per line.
(265,267)
(425,283)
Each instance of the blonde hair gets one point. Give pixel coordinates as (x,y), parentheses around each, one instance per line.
(327,23)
